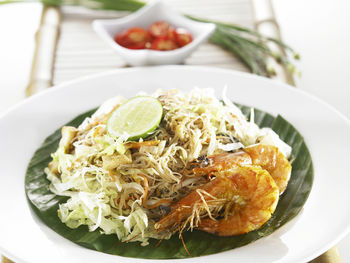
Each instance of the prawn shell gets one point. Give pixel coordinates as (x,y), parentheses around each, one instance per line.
(260,195)
(271,159)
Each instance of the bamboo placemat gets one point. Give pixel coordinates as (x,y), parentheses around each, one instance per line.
(67,48)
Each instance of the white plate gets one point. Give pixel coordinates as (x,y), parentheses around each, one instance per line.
(324,220)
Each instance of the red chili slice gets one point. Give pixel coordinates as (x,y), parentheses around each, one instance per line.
(172,33)
(163,44)
(120,39)
(159,29)
(161,36)
(134,38)
(183,37)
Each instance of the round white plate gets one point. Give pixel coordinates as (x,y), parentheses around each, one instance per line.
(324,220)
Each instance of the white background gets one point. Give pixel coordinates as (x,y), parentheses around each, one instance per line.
(318,29)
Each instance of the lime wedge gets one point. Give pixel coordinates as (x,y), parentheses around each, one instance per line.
(137,117)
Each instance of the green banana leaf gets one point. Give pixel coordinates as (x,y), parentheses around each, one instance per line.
(45,204)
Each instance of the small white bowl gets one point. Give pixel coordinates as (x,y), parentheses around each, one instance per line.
(144,17)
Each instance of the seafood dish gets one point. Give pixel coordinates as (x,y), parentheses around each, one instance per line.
(161,164)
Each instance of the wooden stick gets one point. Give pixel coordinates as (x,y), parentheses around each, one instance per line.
(331,256)
(5,260)
(45,50)
(266,24)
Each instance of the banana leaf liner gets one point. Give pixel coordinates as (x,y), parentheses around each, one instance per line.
(45,204)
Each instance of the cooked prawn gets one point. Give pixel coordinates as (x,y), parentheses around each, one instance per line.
(272,160)
(247,197)
(267,157)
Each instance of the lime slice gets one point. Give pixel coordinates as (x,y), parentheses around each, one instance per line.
(137,117)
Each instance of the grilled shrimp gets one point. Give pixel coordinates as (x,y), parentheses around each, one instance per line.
(267,157)
(246,197)
(273,161)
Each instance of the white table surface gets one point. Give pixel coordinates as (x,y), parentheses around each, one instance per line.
(318,29)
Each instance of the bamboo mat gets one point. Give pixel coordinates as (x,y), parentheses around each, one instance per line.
(79,52)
